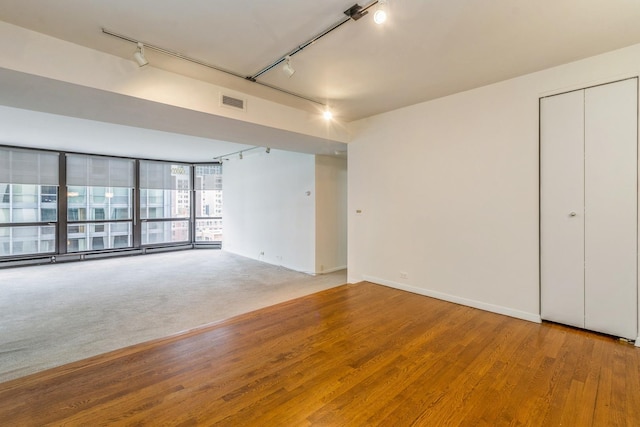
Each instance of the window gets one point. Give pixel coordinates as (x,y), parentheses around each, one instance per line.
(98,213)
(5,193)
(121,242)
(165,202)
(28,201)
(49,215)
(208,195)
(179,203)
(49,194)
(99,203)
(98,243)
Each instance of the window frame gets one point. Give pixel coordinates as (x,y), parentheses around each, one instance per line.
(147,222)
(196,217)
(47,167)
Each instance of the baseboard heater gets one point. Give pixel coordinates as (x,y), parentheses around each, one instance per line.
(51,259)
(167,248)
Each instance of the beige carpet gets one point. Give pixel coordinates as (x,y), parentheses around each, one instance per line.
(58,313)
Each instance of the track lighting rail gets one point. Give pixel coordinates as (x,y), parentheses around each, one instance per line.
(170,53)
(205,64)
(355,12)
(240,153)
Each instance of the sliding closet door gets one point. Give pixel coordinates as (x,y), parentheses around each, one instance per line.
(562,208)
(611,208)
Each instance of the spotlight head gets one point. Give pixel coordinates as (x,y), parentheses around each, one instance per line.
(240,156)
(287,68)
(268,150)
(139,56)
(327,114)
(380,16)
(381,12)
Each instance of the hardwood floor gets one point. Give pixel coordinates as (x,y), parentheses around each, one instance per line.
(355,355)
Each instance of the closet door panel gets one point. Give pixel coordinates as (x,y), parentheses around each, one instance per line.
(611,208)
(561,208)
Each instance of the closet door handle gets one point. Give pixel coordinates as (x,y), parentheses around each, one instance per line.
(572,213)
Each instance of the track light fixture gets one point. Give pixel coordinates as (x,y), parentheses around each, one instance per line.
(381,12)
(240,156)
(356,12)
(139,56)
(268,150)
(287,68)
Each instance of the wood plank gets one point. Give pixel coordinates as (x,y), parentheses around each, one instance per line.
(358,354)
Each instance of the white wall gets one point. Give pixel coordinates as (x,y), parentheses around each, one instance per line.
(448,190)
(331,214)
(267,212)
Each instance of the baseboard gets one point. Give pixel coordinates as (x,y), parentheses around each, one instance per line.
(271,262)
(332,270)
(458,300)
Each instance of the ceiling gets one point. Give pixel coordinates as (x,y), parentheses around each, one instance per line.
(427,49)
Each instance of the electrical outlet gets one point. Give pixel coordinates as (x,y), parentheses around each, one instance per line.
(404,275)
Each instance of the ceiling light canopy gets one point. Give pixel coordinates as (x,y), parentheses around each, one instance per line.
(356,12)
(139,56)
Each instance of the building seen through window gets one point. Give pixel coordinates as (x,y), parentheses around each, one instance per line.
(99,204)
(208,194)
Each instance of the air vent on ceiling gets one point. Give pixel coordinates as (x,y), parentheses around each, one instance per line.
(231,102)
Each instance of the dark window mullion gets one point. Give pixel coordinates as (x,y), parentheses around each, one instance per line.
(61,236)
(192,196)
(137,206)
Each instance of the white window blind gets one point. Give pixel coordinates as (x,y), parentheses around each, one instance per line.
(28,167)
(93,171)
(164,176)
